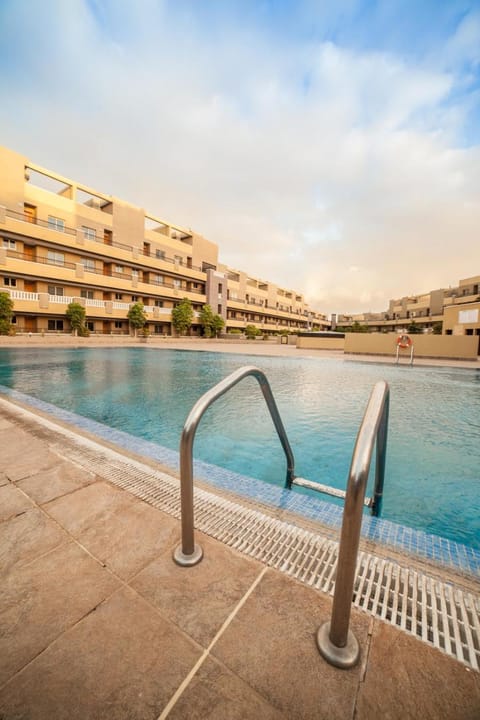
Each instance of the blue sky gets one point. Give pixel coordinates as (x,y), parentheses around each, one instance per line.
(330,147)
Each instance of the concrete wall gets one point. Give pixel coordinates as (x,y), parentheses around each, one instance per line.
(433,346)
(320,343)
(12,179)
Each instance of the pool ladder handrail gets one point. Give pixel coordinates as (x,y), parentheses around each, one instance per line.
(336,643)
(397,355)
(188,552)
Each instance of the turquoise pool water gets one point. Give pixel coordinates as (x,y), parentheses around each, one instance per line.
(433,456)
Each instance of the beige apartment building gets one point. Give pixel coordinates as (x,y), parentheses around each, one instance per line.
(456,308)
(61,241)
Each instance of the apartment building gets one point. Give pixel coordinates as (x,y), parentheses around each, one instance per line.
(456,308)
(61,241)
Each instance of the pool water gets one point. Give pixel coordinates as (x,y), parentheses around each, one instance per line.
(433,455)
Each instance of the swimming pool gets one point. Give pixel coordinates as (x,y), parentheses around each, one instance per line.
(433,456)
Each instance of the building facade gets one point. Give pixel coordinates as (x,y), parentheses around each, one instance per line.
(456,310)
(61,241)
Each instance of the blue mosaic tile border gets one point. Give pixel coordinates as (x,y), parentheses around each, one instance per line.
(401,538)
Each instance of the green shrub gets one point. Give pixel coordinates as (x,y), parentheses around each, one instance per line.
(6,327)
(251,332)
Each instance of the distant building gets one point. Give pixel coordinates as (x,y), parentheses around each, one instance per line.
(61,241)
(457,309)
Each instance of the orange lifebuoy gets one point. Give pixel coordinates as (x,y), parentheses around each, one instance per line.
(404,341)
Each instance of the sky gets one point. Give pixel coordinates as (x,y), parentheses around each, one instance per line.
(329,147)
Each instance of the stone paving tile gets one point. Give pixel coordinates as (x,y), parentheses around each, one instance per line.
(122,531)
(29,463)
(59,480)
(122,661)
(406,678)
(198,599)
(21,454)
(217,694)
(26,537)
(82,509)
(40,600)
(271,645)
(12,502)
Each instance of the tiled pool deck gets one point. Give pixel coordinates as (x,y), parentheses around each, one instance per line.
(96,621)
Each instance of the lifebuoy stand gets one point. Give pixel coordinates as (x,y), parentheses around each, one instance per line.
(404,342)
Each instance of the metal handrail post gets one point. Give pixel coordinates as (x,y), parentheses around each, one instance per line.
(380,459)
(188,552)
(337,644)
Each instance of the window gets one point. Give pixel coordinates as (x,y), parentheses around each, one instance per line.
(55,290)
(55,324)
(55,258)
(177,283)
(88,264)
(160,254)
(219,309)
(159,279)
(135,274)
(118,324)
(89,233)
(12,282)
(86,294)
(56,223)
(90,325)
(178,259)
(118,296)
(220,288)
(158,303)
(135,298)
(10,244)
(119,268)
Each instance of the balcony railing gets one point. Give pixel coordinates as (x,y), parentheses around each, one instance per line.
(89,302)
(111,243)
(101,272)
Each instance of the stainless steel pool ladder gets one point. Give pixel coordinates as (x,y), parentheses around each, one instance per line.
(189,553)
(397,356)
(335,641)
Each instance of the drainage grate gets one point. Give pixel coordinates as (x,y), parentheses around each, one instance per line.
(436,612)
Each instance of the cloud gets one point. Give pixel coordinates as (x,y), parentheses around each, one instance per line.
(301,159)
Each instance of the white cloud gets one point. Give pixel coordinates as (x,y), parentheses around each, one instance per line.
(297,182)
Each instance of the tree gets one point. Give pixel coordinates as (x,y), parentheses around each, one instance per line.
(413,328)
(6,314)
(206,320)
(437,328)
(357,328)
(136,317)
(182,316)
(217,325)
(251,332)
(76,315)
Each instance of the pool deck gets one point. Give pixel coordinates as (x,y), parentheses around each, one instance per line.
(96,620)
